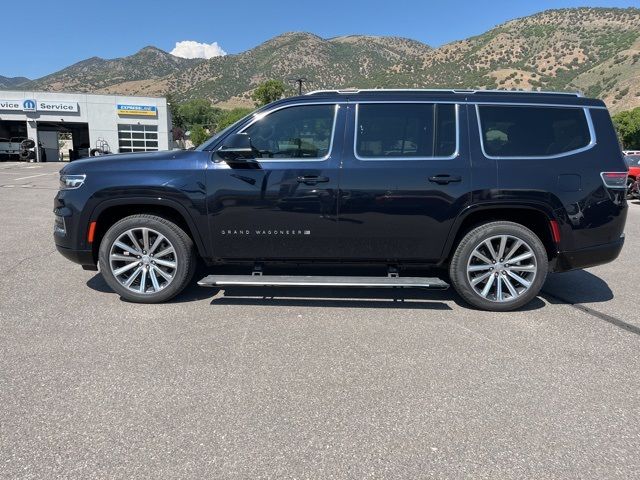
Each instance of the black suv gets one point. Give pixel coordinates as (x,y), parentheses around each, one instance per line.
(492,189)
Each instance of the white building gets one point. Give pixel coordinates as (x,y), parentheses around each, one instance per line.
(114,123)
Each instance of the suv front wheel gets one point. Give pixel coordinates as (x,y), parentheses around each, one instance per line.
(147,259)
(499,266)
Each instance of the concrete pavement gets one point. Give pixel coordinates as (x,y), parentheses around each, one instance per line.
(324,385)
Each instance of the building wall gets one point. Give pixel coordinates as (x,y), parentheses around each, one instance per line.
(99,111)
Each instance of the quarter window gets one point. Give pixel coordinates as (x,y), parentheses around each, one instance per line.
(421,130)
(137,138)
(525,131)
(302,132)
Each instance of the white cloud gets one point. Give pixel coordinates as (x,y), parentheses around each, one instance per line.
(192,49)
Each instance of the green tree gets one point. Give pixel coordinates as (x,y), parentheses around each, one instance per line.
(227,117)
(198,135)
(268,92)
(198,111)
(174,109)
(628,128)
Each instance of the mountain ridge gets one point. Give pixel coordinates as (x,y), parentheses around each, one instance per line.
(12,82)
(594,50)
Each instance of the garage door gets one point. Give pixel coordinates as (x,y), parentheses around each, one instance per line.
(138,138)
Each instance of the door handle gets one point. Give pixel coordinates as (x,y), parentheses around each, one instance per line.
(444,179)
(312,179)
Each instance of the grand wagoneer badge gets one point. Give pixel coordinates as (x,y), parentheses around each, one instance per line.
(265,232)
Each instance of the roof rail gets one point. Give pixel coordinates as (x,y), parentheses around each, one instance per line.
(439,90)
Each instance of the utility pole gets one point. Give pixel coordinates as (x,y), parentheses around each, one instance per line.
(299,82)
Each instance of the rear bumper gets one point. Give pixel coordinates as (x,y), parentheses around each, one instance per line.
(588,257)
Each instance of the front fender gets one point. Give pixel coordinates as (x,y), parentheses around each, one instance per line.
(189,212)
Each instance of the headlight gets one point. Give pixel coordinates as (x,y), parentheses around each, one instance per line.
(71,182)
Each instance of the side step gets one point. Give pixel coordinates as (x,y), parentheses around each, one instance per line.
(321,281)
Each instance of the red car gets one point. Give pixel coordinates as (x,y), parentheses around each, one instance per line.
(633,163)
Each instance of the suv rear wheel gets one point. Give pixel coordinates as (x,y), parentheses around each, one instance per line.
(147,259)
(499,266)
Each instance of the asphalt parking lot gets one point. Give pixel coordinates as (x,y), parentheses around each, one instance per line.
(321,384)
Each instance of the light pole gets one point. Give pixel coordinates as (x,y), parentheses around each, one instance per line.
(299,81)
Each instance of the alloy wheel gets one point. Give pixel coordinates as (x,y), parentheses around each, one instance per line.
(143,260)
(501,268)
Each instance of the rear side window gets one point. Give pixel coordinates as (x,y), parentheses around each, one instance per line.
(420,130)
(302,132)
(525,131)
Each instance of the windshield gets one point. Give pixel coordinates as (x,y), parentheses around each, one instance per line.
(221,133)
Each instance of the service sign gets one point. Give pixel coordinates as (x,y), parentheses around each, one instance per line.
(30,105)
(10,105)
(145,110)
(57,106)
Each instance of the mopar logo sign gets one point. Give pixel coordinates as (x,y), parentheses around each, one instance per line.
(29,105)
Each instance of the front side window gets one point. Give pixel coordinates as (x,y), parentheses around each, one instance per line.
(526,131)
(405,130)
(302,132)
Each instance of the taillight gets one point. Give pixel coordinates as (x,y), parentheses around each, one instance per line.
(614,179)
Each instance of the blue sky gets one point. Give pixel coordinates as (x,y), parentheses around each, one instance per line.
(70,31)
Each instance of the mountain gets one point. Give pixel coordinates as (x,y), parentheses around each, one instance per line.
(360,61)
(128,75)
(594,50)
(9,83)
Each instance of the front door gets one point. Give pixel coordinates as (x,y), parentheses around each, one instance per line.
(406,176)
(287,208)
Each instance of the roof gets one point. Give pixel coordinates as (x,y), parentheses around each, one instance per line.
(463,91)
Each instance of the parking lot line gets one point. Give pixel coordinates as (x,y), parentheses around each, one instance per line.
(33,176)
(20,167)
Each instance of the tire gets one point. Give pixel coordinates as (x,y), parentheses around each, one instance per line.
(467,266)
(630,183)
(167,266)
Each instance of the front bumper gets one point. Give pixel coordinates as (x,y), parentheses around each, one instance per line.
(588,257)
(83,257)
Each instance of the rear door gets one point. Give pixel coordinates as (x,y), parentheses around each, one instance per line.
(406,177)
(286,209)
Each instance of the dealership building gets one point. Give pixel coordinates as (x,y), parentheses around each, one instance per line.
(77,125)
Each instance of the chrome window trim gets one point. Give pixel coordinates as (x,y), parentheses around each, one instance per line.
(479,102)
(529,104)
(455,153)
(591,144)
(261,115)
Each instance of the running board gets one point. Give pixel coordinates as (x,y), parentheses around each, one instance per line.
(321,281)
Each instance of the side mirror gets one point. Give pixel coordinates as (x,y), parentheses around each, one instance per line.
(236,146)
(238,152)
